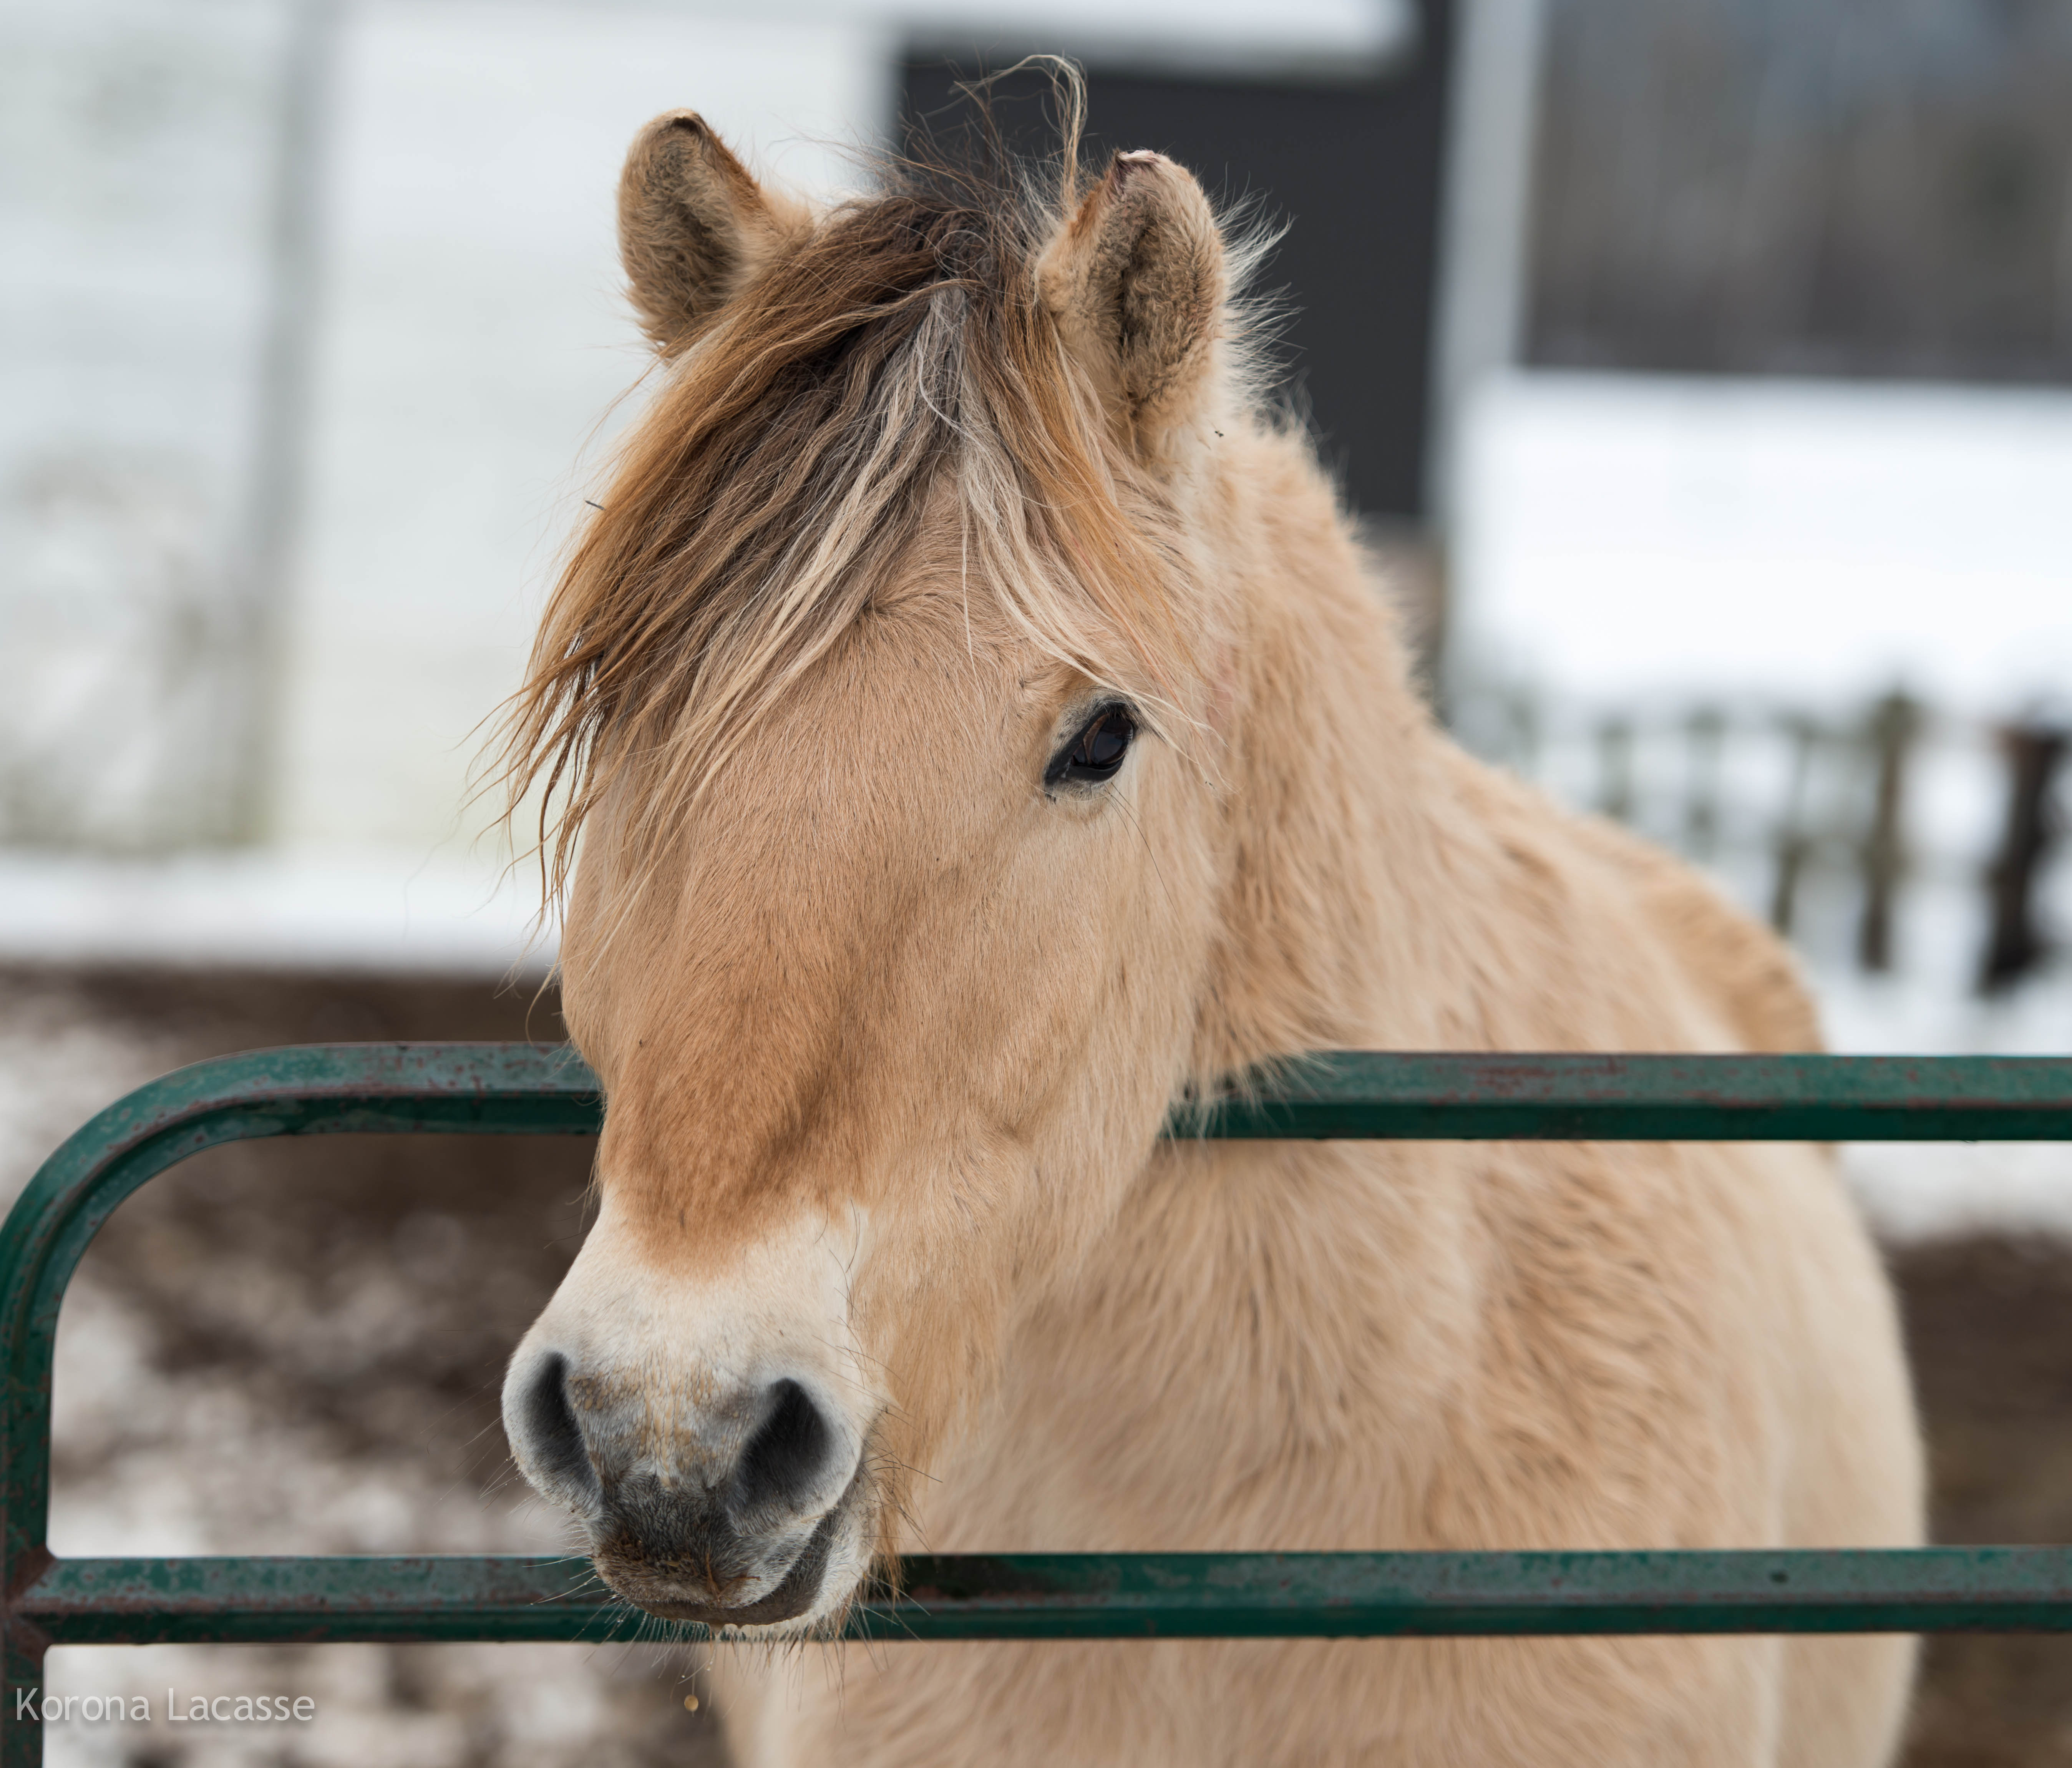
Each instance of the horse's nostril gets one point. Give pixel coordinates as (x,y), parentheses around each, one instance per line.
(553,1436)
(787,1454)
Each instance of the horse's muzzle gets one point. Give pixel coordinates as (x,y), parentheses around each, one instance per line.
(725,1513)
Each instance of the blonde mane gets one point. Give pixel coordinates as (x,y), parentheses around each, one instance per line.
(784,470)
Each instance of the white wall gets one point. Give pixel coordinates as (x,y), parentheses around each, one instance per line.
(136,161)
(474,341)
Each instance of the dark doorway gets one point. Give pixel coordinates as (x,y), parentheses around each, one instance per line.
(1354,169)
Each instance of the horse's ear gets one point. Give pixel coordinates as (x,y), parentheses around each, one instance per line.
(694,227)
(1137,283)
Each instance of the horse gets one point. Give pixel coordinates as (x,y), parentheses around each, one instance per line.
(972,728)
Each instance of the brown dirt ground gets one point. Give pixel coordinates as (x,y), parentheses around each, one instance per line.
(1989,1327)
(1989,1321)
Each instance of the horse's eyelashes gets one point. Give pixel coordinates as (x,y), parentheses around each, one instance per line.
(1096,753)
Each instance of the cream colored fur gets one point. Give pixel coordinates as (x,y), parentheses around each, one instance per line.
(884,979)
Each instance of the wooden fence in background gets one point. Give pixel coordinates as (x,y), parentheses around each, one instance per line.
(1777,797)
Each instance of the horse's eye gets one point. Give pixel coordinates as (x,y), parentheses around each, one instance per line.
(1095,754)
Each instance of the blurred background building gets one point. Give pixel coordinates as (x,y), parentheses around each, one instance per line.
(1691,359)
(1701,371)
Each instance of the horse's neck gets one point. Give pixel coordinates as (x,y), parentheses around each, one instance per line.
(1388,891)
(1242,1280)
(1262,1316)
(1341,926)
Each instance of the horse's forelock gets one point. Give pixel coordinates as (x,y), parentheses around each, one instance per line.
(786,468)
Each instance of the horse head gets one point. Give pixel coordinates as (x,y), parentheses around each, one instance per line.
(890,691)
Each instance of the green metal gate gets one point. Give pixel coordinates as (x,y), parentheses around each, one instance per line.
(525,1089)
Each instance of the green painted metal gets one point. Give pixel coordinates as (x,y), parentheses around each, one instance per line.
(1362,1094)
(1089,1596)
(312,1089)
(530,1089)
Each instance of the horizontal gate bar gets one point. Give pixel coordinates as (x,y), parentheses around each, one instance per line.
(1091,1596)
(505,1089)
(1361,1093)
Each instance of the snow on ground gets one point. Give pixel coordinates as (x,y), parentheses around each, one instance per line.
(59,1064)
(1916,1191)
(1919,1192)
(1644,534)
(403,913)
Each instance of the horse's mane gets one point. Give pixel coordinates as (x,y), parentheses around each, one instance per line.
(895,351)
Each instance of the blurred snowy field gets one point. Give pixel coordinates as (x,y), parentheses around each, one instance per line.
(357,910)
(1817,542)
